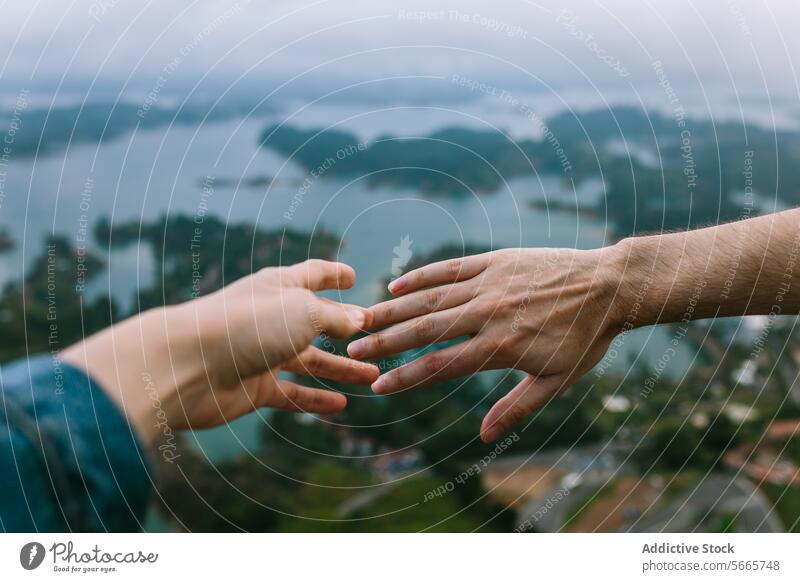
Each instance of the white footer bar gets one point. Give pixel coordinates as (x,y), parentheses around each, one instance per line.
(390,557)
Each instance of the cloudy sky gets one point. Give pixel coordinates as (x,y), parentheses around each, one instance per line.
(743,48)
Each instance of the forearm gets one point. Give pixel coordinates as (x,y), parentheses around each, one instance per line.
(131,361)
(749,267)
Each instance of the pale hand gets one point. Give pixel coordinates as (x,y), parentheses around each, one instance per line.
(216,358)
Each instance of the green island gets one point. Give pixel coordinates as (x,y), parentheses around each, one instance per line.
(699,168)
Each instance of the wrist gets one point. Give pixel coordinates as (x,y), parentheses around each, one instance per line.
(629,265)
(660,279)
(131,362)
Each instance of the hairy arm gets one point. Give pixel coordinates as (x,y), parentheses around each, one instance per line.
(748,267)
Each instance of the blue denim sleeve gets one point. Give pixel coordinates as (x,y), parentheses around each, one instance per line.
(69,460)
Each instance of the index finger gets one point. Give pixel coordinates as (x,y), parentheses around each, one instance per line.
(449,271)
(316,362)
(420,303)
(318,275)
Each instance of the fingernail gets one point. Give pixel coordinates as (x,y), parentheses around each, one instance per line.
(397,285)
(492,433)
(357,316)
(356,349)
(380,385)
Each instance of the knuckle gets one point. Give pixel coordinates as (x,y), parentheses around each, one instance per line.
(432,299)
(491,345)
(483,310)
(310,400)
(424,328)
(496,257)
(384,313)
(453,267)
(290,394)
(433,363)
(312,359)
(506,256)
(398,377)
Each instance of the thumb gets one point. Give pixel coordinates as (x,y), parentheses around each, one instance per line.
(525,398)
(339,320)
(318,275)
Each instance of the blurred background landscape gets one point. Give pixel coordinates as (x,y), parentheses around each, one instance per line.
(151,153)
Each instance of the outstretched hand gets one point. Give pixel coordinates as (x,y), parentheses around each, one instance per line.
(547,312)
(213,359)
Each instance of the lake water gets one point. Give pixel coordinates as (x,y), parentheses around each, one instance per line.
(148,173)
